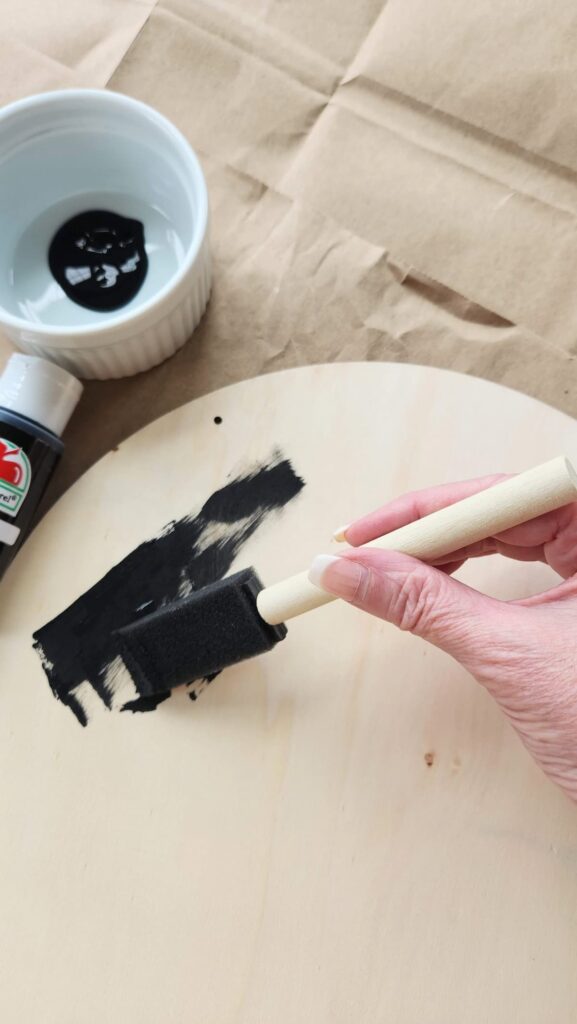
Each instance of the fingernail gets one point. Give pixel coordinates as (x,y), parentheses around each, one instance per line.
(339,576)
(340,533)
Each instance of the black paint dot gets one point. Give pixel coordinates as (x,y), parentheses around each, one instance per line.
(99,259)
(218,419)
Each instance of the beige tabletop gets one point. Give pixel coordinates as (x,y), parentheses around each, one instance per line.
(388,181)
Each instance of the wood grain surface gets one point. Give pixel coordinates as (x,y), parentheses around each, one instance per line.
(344,831)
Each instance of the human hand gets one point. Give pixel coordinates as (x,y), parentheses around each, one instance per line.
(524,652)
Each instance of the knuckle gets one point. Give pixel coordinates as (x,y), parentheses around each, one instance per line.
(415,602)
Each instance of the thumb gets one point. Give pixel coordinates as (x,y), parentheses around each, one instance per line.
(418,598)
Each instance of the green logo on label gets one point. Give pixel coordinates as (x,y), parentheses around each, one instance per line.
(15,477)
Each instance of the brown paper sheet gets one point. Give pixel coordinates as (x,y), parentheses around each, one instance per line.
(388,181)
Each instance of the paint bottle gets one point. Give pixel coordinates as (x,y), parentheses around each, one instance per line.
(37,400)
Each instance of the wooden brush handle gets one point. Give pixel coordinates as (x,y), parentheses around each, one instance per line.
(482,515)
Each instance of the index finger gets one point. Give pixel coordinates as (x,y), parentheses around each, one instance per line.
(414,505)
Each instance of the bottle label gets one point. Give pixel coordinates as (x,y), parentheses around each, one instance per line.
(15,477)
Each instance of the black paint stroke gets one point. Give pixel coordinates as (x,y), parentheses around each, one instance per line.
(78,645)
(149,703)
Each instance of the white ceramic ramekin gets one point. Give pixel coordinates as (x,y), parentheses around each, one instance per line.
(64,153)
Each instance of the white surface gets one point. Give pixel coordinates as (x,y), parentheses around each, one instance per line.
(40,391)
(67,152)
(280,852)
(9,534)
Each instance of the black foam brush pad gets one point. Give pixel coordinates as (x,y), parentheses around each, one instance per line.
(198,636)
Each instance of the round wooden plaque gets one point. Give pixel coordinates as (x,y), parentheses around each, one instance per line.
(345,831)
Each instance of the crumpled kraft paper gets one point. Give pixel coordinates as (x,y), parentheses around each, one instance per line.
(388,181)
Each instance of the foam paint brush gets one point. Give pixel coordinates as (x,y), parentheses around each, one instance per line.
(238,618)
